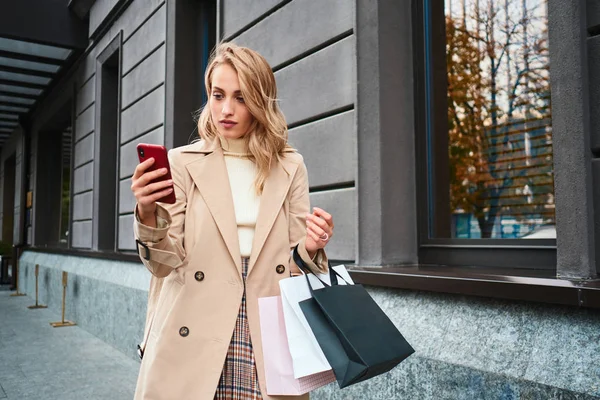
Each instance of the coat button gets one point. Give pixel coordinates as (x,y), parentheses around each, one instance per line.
(184,331)
(280,269)
(199,275)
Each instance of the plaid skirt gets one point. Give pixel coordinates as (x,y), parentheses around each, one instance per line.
(238,379)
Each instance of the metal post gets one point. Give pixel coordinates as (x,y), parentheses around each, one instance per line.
(63,322)
(37,305)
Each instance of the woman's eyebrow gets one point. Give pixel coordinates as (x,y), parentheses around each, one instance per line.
(218,88)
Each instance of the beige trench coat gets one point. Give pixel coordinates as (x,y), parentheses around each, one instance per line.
(196,288)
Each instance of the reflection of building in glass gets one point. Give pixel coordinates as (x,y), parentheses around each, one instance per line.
(499,116)
(519,183)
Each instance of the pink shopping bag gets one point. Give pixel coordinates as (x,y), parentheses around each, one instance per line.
(279,369)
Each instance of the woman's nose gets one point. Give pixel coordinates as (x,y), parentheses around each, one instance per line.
(227,108)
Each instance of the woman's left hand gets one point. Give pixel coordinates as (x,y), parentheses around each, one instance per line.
(319,230)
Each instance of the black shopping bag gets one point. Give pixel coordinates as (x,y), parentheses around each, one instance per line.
(358,339)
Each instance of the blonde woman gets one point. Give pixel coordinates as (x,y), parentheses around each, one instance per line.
(242,204)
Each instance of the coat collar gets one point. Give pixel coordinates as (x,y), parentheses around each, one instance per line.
(209,174)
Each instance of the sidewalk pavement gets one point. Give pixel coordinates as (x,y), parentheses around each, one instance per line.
(39,362)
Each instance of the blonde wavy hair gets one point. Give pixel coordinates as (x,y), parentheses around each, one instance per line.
(268,134)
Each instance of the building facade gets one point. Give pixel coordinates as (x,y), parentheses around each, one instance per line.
(456,143)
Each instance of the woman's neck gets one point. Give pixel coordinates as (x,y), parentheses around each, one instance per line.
(239,145)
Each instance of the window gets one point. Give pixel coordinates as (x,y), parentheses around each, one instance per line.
(8,199)
(486,125)
(65,208)
(53,182)
(191,28)
(106,152)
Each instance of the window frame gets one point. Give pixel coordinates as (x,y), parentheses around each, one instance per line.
(113,48)
(501,253)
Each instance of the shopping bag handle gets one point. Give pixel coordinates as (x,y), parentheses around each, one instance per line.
(333,274)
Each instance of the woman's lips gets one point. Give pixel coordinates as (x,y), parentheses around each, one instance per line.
(228,124)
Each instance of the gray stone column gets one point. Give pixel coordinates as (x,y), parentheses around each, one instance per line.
(387,211)
(571,140)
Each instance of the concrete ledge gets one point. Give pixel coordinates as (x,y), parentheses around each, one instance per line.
(475,348)
(106,298)
(466,347)
(427,379)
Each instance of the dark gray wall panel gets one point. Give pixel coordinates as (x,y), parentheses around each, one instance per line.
(84,150)
(143,115)
(314,21)
(84,123)
(137,13)
(82,206)
(322,82)
(386,199)
(126,239)
(593,44)
(129,157)
(87,68)
(86,95)
(239,13)
(126,197)
(145,77)
(129,21)
(571,140)
(99,12)
(147,38)
(83,178)
(329,149)
(341,204)
(593,13)
(82,234)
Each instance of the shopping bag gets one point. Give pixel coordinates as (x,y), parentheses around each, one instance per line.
(357,338)
(307,356)
(279,371)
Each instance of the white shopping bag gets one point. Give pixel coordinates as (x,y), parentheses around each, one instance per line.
(279,369)
(307,356)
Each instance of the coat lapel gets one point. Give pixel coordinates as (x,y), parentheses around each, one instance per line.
(209,173)
(276,188)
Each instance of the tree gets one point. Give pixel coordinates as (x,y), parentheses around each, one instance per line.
(499,111)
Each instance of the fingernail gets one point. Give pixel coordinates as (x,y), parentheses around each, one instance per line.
(163,170)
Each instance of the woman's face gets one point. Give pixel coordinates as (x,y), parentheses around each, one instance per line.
(227,107)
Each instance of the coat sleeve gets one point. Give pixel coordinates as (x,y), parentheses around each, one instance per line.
(299,207)
(165,248)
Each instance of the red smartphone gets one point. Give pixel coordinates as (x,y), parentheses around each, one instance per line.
(159,153)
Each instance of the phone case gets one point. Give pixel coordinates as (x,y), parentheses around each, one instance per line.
(159,153)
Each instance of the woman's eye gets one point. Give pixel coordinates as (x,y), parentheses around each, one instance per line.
(240,99)
(217,96)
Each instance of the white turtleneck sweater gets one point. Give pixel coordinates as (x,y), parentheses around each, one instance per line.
(242,173)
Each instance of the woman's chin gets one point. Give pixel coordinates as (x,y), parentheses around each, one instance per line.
(231,135)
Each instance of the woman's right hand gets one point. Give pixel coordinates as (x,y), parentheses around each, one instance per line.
(146,193)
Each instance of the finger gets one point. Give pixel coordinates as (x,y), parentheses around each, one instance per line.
(312,235)
(148,177)
(317,221)
(323,214)
(142,167)
(153,187)
(159,195)
(317,230)
(322,224)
